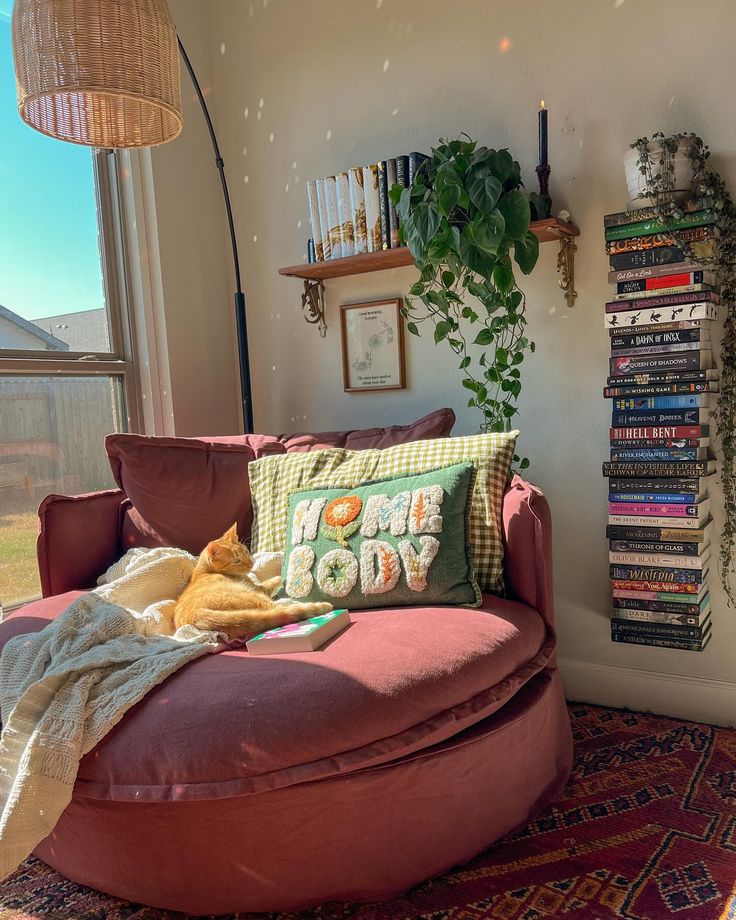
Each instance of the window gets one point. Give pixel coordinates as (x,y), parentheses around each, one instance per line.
(65,347)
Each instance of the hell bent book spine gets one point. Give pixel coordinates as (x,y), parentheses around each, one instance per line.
(647,432)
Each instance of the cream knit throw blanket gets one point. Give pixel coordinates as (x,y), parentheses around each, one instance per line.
(64,688)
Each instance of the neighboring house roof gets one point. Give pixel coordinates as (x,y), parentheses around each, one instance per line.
(83,331)
(50,340)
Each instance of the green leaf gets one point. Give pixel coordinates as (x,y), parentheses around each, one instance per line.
(426,220)
(441,330)
(486,233)
(515,209)
(524,464)
(448,199)
(526,252)
(448,279)
(412,327)
(484,191)
(503,276)
(470,384)
(483,338)
(417,288)
(501,164)
(502,357)
(395,193)
(465,362)
(438,299)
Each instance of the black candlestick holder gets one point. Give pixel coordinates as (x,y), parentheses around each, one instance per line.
(543,176)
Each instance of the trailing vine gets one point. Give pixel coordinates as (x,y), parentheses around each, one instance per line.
(656,164)
(462,217)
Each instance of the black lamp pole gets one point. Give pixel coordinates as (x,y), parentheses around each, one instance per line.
(240,318)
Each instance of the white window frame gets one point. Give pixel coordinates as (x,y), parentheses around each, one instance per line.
(120,361)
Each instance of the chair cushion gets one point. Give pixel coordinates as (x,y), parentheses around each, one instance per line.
(184,491)
(437,424)
(396,681)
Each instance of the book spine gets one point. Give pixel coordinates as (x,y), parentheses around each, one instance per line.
(657,630)
(660,596)
(629,319)
(688,645)
(383,199)
(680,484)
(622,341)
(657,559)
(652,271)
(621,218)
(655,443)
(662,608)
(657,226)
(372,208)
(681,279)
(681,361)
(665,377)
(656,351)
(650,534)
(678,298)
(642,403)
(684,551)
(638,297)
(324,220)
(402,171)
(415,161)
(344,213)
(660,389)
(671,498)
(393,217)
(657,470)
(333,218)
(677,417)
(661,520)
(659,575)
(656,587)
(667,509)
(357,209)
(646,258)
(646,432)
(656,455)
(314,220)
(659,240)
(648,616)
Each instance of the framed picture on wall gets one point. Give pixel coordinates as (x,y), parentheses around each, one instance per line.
(372,346)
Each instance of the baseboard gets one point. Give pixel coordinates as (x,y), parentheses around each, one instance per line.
(699,699)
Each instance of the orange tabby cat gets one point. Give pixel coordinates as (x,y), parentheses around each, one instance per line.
(220,596)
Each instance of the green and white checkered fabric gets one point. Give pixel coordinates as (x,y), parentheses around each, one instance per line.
(273,479)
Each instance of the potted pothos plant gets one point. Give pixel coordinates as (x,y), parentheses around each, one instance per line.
(659,183)
(466,221)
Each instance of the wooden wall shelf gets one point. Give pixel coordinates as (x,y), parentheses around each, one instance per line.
(315,273)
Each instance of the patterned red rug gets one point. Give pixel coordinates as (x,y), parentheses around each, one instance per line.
(646,829)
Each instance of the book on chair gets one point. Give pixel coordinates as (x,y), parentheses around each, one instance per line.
(306,636)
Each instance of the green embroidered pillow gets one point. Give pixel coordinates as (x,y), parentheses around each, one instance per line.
(396,543)
(274,479)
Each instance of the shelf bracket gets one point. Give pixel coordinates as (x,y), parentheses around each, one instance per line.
(313,305)
(566,269)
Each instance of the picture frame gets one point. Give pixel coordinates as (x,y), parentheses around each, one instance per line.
(373,346)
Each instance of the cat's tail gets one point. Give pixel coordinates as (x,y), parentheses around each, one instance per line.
(242,624)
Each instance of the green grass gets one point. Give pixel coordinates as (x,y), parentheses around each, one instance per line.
(18,569)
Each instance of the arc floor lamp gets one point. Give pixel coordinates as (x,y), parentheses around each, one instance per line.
(105,73)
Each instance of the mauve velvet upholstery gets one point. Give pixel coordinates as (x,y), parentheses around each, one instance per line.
(437,424)
(402,748)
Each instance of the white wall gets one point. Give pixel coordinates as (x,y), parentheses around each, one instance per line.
(306,89)
(195,260)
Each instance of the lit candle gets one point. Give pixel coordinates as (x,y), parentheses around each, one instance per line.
(542,134)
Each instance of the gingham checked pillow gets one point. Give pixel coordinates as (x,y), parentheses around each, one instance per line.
(274,479)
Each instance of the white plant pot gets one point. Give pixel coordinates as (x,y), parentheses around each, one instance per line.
(636,182)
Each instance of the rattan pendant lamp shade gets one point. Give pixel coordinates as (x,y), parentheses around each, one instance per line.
(104,73)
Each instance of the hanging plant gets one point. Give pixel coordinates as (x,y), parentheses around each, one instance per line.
(466,221)
(656,165)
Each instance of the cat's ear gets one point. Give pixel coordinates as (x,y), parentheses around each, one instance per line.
(231,534)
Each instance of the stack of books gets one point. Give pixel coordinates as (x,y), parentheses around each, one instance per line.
(351,213)
(661,375)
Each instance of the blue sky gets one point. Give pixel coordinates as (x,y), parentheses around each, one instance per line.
(49,259)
